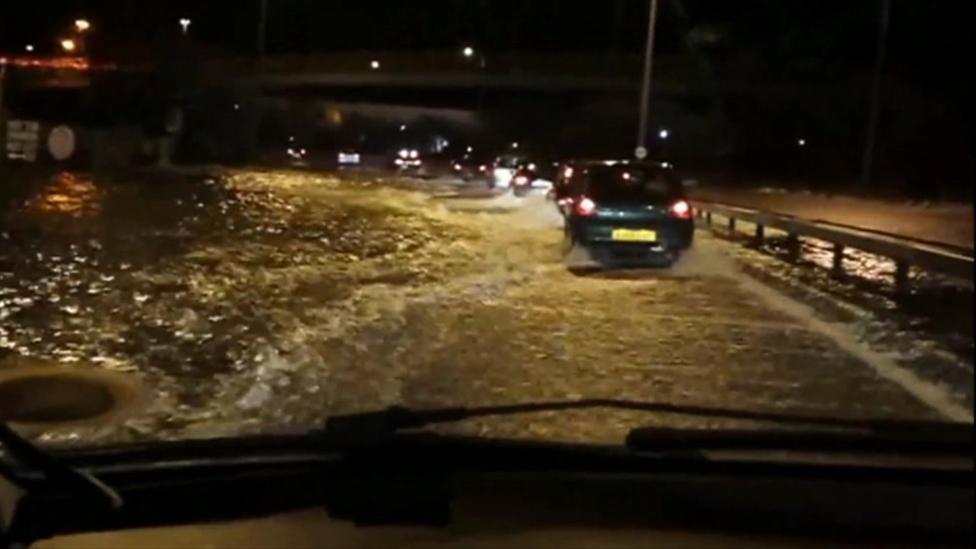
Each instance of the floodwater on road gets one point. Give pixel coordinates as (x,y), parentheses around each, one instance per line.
(256,301)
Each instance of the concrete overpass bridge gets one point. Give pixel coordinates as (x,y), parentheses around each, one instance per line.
(557,72)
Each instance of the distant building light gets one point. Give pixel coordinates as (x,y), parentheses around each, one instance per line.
(29,47)
(470,149)
(801,142)
(82,25)
(515,144)
(237,106)
(468,51)
(68,45)
(403,127)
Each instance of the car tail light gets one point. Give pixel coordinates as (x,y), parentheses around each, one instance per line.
(521,180)
(680,209)
(585,207)
(482,168)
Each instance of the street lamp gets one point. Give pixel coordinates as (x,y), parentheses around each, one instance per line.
(664,134)
(468,52)
(645,100)
(68,45)
(29,48)
(375,65)
(82,25)
(801,142)
(185,24)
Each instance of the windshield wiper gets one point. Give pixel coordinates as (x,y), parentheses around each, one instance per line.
(58,473)
(373,427)
(955,441)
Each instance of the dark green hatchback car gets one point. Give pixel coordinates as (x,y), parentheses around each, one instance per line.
(623,212)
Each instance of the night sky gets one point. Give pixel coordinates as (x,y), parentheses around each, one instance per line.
(928,40)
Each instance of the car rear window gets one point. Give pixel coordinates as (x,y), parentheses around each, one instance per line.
(631,184)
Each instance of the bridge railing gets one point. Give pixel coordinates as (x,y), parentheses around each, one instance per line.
(905,252)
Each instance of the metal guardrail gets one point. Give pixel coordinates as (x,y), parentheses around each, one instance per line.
(905,252)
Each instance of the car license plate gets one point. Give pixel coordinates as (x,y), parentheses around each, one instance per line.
(633,235)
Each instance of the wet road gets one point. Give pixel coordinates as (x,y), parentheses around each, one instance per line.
(251,302)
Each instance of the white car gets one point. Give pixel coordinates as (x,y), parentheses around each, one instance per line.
(504,170)
(349,158)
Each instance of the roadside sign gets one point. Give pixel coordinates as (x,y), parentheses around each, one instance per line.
(640,153)
(22,140)
(61,143)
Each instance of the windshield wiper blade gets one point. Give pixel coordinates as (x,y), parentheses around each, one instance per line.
(934,442)
(372,427)
(75,480)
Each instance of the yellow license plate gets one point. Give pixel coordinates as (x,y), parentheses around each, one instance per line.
(632,235)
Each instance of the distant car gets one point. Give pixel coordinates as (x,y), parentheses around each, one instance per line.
(297,155)
(503,170)
(534,175)
(626,212)
(470,168)
(349,158)
(408,160)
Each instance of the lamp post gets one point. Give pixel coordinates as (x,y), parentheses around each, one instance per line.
(867,162)
(3,121)
(469,53)
(262,27)
(648,71)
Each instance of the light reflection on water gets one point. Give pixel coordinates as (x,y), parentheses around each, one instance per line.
(857,263)
(68,194)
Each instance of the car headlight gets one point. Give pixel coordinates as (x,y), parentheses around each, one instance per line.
(414,154)
(404,153)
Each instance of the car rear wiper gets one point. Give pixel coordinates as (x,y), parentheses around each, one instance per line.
(373,427)
(59,474)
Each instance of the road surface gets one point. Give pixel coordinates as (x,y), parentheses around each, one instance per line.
(256,301)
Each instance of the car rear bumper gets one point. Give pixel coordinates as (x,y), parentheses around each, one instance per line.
(630,255)
(670,234)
